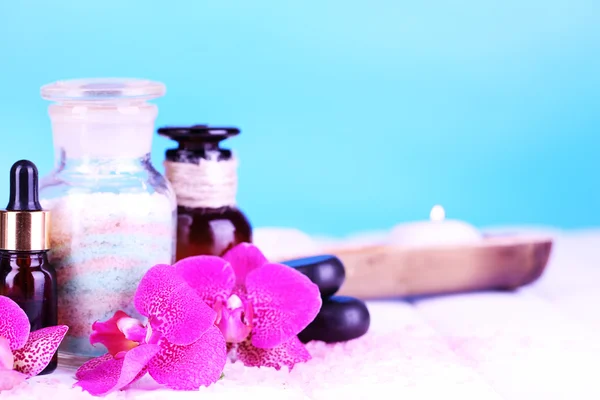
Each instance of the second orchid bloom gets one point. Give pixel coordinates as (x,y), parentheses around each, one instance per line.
(199,311)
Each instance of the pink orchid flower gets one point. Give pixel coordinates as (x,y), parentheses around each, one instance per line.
(180,347)
(23,354)
(261,307)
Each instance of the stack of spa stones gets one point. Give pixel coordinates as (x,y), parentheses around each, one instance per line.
(341,318)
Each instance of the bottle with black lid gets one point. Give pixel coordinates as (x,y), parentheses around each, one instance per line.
(204,178)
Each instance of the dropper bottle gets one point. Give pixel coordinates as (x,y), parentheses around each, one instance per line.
(26,276)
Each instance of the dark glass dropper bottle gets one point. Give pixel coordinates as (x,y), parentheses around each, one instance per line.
(204,178)
(26,276)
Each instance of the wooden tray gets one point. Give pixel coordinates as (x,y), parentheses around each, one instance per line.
(383,271)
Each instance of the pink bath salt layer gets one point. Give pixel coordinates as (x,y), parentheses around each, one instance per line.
(82,271)
(134,228)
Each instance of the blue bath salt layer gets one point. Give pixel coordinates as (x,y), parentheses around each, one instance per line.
(90,250)
(110,280)
(106,272)
(113,243)
(81,347)
(95,247)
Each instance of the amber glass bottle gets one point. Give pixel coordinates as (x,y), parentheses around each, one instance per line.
(204,178)
(26,276)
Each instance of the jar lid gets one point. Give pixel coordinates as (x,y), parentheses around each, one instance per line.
(198,133)
(102,89)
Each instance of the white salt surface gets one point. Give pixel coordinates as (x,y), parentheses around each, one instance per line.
(276,243)
(537,343)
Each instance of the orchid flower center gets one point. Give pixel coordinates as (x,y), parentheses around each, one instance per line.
(152,336)
(234,319)
(122,333)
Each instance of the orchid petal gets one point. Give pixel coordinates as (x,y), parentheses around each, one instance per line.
(92,364)
(284,303)
(6,356)
(14,324)
(110,336)
(139,376)
(37,353)
(211,277)
(115,374)
(173,308)
(189,367)
(9,379)
(287,354)
(132,329)
(244,258)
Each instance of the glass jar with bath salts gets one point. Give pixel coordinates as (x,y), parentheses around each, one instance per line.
(114,215)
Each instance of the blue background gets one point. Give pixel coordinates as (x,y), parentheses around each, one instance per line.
(355,114)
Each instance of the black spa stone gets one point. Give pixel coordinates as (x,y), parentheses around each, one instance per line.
(325,271)
(341,319)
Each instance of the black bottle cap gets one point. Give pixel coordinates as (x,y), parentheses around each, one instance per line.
(24,187)
(198,142)
(24,226)
(198,133)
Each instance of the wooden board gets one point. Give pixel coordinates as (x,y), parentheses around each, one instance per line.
(383,271)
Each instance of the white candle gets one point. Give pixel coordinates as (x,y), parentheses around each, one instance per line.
(438,231)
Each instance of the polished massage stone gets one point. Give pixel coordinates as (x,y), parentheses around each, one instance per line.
(341,319)
(325,271)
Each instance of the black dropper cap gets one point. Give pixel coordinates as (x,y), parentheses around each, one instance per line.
(24,226)
(24,187)
(197,141)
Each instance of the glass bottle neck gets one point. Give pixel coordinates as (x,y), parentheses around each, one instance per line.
(101,165)
(24,258)
(84,131)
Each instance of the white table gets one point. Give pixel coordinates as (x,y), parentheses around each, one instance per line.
(542,342)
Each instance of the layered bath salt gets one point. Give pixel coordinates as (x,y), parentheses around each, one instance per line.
(102,244)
